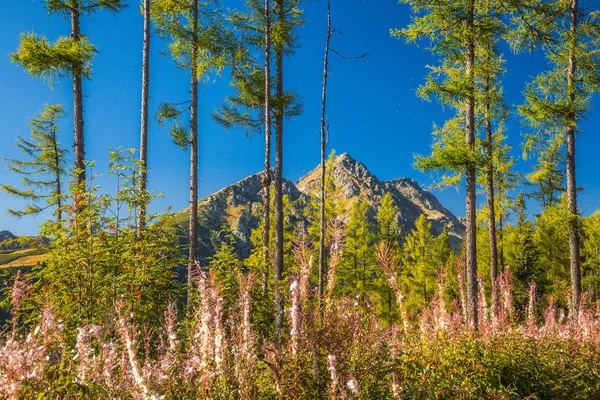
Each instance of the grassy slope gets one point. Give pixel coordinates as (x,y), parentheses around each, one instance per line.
(21,258)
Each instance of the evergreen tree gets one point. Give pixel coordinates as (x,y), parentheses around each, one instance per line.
(424,256)
(387,220)
(200,44)
(494,113)
(227,267)
(251,107)
(591,256)
(66,57)
(455,30)
(388,232)
(552,242)
(267,167)
(522,255)
(44,171)
(558,99)
(358,269)
(284,41)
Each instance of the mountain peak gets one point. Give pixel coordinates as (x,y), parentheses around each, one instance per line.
(235,205)
(351,177)
(354,181)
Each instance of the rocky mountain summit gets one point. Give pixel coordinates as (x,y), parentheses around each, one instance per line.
(354,181)
(236,205)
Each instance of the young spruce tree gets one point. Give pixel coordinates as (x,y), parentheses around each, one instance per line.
(44,171)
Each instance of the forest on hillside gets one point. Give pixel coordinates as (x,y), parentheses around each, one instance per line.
(338,301)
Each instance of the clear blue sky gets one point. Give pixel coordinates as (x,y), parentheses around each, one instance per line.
(373,111)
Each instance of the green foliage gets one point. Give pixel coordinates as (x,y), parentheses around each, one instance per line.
(48,61)
(245,108)
(226,267)
(446,31)
(199,42)
(198,45)
(334,205)
(424,257)
(64,7)
(591,255)
(522,256)
(97,259)
(505,367)
(387,220)
(548,173)
(552,240)
(358,271)
(44,171)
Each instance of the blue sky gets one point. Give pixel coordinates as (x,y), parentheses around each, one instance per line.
(374,114)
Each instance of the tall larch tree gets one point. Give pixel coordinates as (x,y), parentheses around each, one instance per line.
(144,113)
(454,31)
(288,18)
(44,170)
(251,106)
(493,115)
(557,100)
(198,43)
(66,57)
(267,168)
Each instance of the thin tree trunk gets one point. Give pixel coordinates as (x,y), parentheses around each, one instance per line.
(57,179)
(267,171)
(491,202)
(78,142)
(144,111)
(501,244)
(471,174)
(571,181)
(279,180)
(193,226)
(322,266)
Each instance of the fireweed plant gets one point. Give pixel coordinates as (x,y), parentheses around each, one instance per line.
(333,348)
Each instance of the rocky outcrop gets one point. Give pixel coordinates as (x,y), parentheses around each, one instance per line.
(236,206)
(354,181)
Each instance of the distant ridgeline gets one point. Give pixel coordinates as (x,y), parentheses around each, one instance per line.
(235,207)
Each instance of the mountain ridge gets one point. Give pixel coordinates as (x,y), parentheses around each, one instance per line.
(235,205)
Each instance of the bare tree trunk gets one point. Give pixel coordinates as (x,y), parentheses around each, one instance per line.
(78,142)
(574,249)
(279,180)
(144,127)
(491,202)
(193,226)
(322,265)
(471,173)
(267,171)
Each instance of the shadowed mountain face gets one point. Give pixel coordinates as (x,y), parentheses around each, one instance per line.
(236,205)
